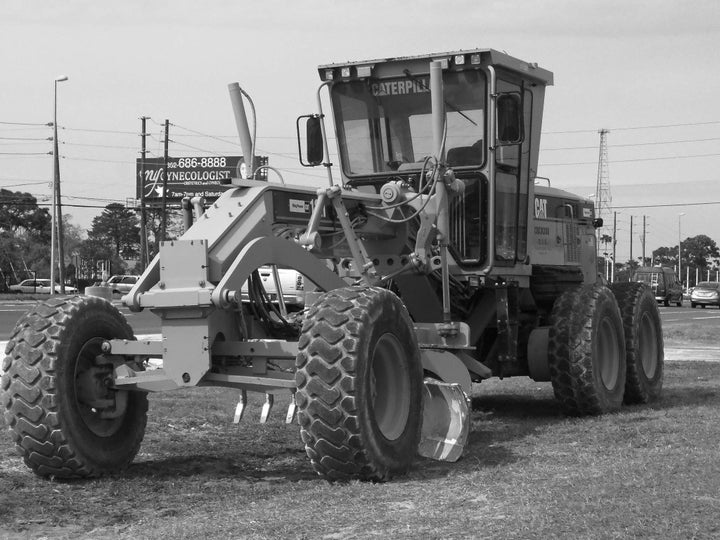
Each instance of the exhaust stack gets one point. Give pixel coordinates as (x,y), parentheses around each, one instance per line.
(241,122)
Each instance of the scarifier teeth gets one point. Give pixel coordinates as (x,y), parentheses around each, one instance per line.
(292,410)
(266,408)
(240,408)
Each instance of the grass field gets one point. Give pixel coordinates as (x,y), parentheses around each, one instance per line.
(528,472)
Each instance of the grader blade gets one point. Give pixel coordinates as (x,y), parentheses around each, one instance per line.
(446,421)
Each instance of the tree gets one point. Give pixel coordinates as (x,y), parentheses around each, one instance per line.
(700,252)
(20,211)
(119,227)
(94,251)
(665,256)
(24,236)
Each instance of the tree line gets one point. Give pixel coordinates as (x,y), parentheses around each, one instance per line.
(698,254)
(112,243)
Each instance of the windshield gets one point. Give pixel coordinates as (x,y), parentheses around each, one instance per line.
(384,125)
(646,277)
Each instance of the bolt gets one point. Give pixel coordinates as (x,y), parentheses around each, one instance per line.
(202,283)
(105,347)
(186,377)
(161,284)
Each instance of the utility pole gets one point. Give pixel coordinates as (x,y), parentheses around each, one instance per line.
(143,212)
(643,241)
(163,228)
(680,215)
(631,237)
(57,206)
(614,236)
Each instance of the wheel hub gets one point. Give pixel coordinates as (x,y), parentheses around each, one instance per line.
(101,407)
(389,387)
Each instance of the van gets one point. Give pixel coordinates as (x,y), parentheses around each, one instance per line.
(663,282)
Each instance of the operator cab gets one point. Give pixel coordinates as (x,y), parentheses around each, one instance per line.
(493,110)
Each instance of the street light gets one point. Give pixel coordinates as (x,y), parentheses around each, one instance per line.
(680,215)
(56,204)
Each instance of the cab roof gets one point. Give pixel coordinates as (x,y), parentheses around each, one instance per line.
(392,67)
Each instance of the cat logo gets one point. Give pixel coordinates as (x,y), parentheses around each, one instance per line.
(540,208)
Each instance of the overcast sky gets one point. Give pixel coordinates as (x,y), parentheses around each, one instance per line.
(649,71)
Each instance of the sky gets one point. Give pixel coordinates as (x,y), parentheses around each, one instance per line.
(647,71)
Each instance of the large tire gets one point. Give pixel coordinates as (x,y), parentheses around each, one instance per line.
(643,342)
(66,421)
(586,351)
(359,385)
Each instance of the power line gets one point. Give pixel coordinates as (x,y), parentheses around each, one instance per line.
(196,148)
(217,138)
(629,160)
(628,128)
(113,147)
(704,203)
(25,124)
(26,138)
(25,153)
(24,184)
(630,144)
(100,130)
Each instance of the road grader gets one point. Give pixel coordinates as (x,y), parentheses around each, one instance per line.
(433,259)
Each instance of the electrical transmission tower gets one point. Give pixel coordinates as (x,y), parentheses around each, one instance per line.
(603,198)
(603,204)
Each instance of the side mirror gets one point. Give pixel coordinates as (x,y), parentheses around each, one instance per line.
(314,152)
(509,118)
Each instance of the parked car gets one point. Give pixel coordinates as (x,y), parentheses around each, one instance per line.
(706,293)
(39,286)
(664,284)
(292,284)
(121,284)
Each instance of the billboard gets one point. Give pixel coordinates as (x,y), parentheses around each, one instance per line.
(206,176)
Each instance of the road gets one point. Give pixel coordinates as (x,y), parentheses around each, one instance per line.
(146,322)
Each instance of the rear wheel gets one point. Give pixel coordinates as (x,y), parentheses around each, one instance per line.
(586,351)
(66,419)
(643,342)
(359,385)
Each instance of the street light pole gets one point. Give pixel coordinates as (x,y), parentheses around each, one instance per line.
(680,215)
(56,205)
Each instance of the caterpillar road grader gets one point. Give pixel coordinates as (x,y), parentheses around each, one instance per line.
(432,259)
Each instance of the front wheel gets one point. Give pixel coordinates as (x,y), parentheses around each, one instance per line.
(586,351)
(359,385)
(66,419)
